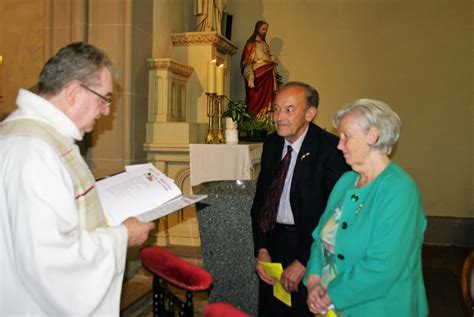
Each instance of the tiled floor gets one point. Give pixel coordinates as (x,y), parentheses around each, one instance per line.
(143,306)
(442,268)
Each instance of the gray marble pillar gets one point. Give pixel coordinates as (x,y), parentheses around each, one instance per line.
(226,242)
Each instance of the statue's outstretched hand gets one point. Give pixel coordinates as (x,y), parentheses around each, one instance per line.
(250,82)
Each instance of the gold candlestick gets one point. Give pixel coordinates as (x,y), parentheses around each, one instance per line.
(210,114)
(219,136)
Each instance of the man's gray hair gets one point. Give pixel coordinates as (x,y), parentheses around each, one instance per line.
(77,61)
(312,95)
(373,114)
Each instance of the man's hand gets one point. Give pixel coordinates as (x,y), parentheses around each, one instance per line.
(251,81)
(137,231)
(292,276)
(264,256)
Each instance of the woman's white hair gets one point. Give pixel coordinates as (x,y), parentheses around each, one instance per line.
(373,114)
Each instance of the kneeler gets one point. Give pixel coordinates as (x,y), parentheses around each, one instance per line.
(166,266)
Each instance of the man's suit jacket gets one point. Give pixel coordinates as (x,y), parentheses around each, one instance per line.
(319,165)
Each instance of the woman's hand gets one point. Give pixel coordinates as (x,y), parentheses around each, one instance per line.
(318,300)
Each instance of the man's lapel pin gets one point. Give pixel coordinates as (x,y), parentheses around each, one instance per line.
(305,155)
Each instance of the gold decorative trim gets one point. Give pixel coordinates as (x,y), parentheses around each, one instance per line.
(1,78)
(170,65)
(161,148)
(204,38)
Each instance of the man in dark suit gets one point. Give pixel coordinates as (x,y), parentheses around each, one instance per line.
(315,165)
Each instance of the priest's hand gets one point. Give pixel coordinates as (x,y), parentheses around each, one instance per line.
(264,256)
(137,231)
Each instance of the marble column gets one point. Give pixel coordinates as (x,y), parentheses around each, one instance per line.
(226,242)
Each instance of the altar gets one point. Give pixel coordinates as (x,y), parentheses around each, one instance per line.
(218,162)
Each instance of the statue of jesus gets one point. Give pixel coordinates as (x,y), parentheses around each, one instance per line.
(259,71)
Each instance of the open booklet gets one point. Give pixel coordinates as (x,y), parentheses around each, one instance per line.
(142,191)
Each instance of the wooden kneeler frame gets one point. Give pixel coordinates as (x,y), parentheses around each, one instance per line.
(166,266)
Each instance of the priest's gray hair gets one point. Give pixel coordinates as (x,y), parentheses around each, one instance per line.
(373,114)
(79,61)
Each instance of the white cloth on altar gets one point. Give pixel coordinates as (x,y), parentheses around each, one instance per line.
(49,266)
(211,162)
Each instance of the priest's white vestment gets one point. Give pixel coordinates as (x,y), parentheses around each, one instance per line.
(49,265)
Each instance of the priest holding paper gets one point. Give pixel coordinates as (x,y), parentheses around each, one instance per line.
(58,256)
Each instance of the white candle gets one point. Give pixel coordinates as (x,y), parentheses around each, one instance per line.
(220,80)
(211,76)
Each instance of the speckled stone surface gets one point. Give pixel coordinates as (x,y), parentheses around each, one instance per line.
(226,242)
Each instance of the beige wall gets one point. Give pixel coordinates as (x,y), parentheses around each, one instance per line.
(22,36)
(142,48)
(415,55)
(33,30)
(170,16)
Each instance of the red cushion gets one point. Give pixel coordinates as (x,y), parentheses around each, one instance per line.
(175,270)
(223,310)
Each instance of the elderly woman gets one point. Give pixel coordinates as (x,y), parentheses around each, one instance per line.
(366,255)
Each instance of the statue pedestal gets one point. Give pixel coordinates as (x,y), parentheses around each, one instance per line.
(168,134)
(226,242)
(177,116)
(197,49)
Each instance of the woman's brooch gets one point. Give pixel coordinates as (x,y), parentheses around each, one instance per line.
(355,197)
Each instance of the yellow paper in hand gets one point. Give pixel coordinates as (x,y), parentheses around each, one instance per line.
(275,270)
(331,313)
